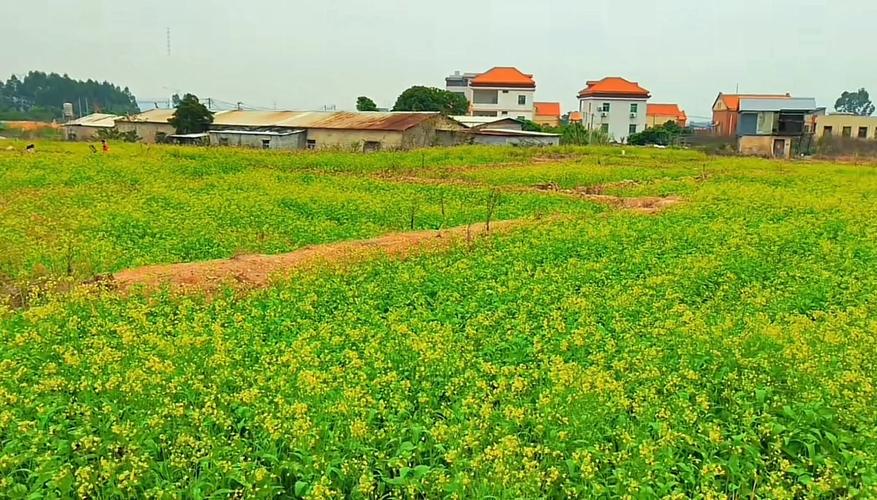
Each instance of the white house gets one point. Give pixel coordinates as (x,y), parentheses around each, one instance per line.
(499,92)
(614,105)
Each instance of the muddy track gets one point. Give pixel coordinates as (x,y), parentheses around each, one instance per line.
(250,271)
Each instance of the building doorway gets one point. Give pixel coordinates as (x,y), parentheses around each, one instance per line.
(779,148)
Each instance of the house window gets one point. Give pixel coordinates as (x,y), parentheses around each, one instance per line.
(160,137)
(605,107)
(505,91)
(266,143)
(633,108)
(522,100)
(632,128)
(371,146)
(223,141)
(522,117)
(863,132)
(604,128)
(505,113)
(312,144)
(485,97)
(847,132)
(826,131)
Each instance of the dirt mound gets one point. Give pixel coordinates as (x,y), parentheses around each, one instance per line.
(249,271)
(644,204)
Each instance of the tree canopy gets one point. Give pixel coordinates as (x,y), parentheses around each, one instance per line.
(191,117)
(662,135)
(41,96)
(364,103)
(857,103)
(420,98)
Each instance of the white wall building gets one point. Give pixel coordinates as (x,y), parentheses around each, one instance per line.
(499,92)
(615,106)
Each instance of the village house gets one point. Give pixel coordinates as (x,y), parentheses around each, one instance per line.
(547,114)
(615,106)
(500,91)
(767,127)
(726,109)
(846,125)
(659,114)
(150,126)
(87,127)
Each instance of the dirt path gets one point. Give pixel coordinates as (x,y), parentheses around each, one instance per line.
(249,271)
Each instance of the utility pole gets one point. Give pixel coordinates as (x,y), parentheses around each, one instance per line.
(168,32)
(239,105)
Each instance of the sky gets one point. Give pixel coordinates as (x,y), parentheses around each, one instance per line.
(297,55)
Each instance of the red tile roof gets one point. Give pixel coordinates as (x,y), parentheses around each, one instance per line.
(732,101)
(504,77)
(613,86)
(547,108)
(575,116)
(664,110)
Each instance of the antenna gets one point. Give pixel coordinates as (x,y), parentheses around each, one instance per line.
(168,31)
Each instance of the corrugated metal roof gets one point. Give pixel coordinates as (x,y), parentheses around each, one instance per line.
(321,119)
(507,132)
(780,104)
(257,132)
(99,120)
(151,116)
(474,121)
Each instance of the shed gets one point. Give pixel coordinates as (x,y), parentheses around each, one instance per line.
(485,122)
(267,139)
(87,127)
(501,137)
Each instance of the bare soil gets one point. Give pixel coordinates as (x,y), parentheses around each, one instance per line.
(250,271)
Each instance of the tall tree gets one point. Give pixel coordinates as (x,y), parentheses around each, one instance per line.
(41,94)
(419,98)
(363,103)
(857,103)
(191,117)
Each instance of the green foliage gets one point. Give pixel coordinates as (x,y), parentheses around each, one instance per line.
(432,99)
(722,348)
(531,126)
(191,117)
(575,134)
(857,103)
(663,135)
(40,96)
(116,135)
(364,103)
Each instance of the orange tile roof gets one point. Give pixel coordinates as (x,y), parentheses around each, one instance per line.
(664,110)
(732,101)
(614,86)
(547,108)
(504,77)
(576,116)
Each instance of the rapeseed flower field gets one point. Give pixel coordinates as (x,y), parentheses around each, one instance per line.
(725,347)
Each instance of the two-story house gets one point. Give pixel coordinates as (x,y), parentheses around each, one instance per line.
(501,91)
(615,106)
(768,127)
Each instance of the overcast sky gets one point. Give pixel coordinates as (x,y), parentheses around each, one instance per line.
(305,54)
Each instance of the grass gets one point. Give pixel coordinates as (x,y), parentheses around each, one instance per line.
(723,348)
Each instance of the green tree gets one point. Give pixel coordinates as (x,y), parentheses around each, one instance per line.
(420,98)
(662,135)
(191,117)
(857,103)
(41,96)
(363,103)
(531,126)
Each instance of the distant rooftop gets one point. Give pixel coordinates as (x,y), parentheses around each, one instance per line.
(781,104)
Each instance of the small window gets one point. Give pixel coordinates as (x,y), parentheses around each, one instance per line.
(522,100)
(266,143)
(371,146)
(505,91)
(863,132)
(847,132)
(605,107)
(312,144)
(522,117)
(633,108)
(632,128)
(71,136)
(160,137)
(505,113)
(826,131)
(604,128)
(223,141)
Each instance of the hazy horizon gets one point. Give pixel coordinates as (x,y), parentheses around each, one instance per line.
(305,56)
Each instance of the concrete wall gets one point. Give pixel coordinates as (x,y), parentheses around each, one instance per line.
(653,121)
(353,139)
(289,141)
(80,133)
(547,120)
(725,122)
(838,122)
(507,103)
(618,118)
(146,131)
(498,140)
(762,145)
